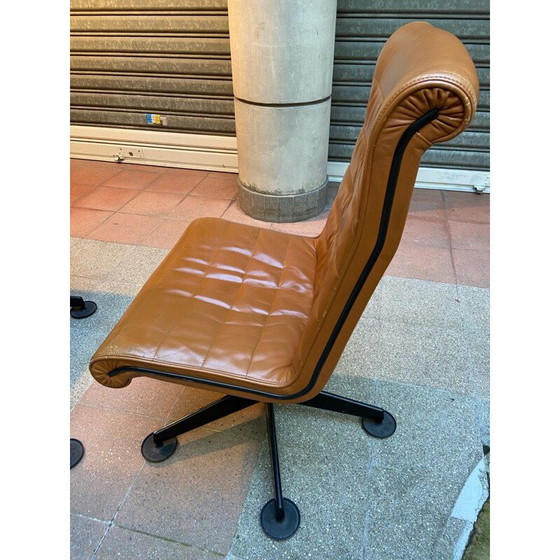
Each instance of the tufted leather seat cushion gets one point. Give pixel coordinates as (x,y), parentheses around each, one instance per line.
(229,300)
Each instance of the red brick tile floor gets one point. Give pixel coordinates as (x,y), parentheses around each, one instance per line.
(446,238)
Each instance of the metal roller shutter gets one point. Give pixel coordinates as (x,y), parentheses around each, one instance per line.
(361,29)
(134,58)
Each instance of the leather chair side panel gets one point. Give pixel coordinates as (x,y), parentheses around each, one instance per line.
(420,69)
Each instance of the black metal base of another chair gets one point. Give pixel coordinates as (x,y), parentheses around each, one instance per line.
(80,309)
(280,517)
(76,452)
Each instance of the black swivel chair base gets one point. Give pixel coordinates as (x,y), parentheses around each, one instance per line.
(76,452)
(280,517)
(80,309)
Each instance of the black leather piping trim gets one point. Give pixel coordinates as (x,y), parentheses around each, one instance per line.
(381,238)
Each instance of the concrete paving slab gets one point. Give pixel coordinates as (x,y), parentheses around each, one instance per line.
(483,413)
(85,536)
(356,358)
(451,543)
(425,333)
(410,508)
(144,396)
(148,547)
(409,353)
(101,480)
(196,495)
(323,435)
(373,307)
(475,305)
(131,274)
(80,385)
(97,260)
(478,354)
(419,302)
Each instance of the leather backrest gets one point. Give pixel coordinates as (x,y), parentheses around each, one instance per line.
(424,91)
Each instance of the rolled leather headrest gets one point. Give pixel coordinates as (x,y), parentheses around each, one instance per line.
(421,68)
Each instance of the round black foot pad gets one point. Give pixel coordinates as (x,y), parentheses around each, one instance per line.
(382,429)
(285,528)
(76,452)
(155,454)
(89,308)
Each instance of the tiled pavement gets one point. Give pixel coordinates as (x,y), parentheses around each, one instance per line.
(420,350)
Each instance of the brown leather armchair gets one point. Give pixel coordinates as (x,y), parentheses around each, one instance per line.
(263,316)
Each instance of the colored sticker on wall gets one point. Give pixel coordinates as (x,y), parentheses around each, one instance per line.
(152,118)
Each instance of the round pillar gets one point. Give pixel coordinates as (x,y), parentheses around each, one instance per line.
(282,62)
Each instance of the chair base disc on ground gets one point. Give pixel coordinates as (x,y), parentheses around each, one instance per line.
(88,308)
(76,452)
(284,528)
(382,429)
(156,454)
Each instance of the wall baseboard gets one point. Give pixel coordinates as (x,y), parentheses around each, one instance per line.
(433,178)
(219,153)
(147,147)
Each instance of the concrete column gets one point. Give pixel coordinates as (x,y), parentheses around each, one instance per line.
(282,61)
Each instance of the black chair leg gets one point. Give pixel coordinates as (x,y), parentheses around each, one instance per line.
(161,444)
(375,421)
(280,517)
